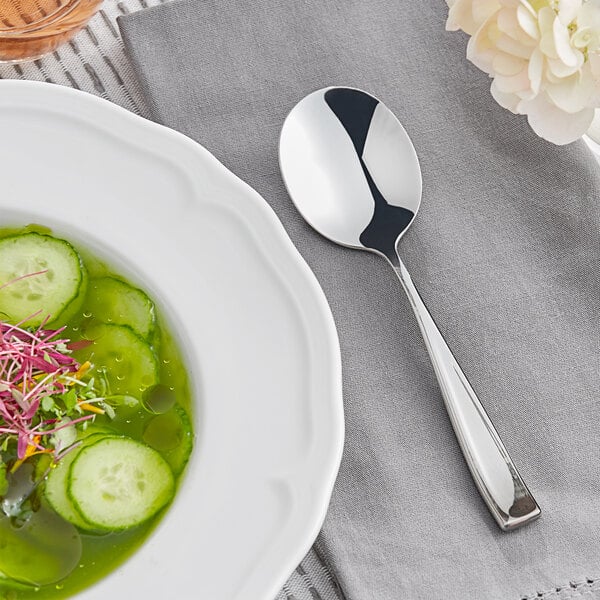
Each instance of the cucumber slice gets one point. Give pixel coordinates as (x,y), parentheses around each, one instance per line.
(56,492)
(118,483)
(171,434)
(113,301)
(56,486)
(130,364)
(51,292)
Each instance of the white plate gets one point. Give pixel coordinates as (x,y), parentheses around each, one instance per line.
(258,335)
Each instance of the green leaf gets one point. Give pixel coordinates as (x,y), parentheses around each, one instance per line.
(70,400)
(47,403)
(122,400)
(64,437)
(110,411)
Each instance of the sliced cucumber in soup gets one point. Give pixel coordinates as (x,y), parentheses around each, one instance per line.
(56,486)
(118,483)
(128,362)
(42,277)
(171,434)
(113,301)
(56,492)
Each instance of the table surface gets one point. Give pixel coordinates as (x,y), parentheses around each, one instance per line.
(95,62)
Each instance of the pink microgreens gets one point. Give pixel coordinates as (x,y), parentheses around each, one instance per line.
(34,364)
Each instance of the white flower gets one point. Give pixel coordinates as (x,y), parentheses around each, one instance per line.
(543,56)
(469,15)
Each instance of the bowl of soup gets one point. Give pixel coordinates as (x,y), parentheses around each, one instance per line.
(171,417)
(95,422)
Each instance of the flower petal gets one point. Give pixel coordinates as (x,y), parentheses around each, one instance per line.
(535,70)
(469,15)
(508,101)
(459,15)
(546,18)
(594,62)
(506,64)
(559,70)
(553,124)
(512,46)
(589,15)
(574,93)
(562,43)
(481,48)
(585,38)
(514,83)
(528,22)
(510,26)
(567,10)
(483,10)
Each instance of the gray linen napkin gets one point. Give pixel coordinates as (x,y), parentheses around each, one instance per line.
(504,251)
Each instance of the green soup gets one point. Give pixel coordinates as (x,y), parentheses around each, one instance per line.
(95,426)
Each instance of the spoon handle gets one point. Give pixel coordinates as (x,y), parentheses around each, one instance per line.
(495,475)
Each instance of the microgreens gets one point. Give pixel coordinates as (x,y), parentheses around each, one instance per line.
(41,391)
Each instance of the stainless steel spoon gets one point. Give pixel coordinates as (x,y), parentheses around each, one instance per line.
(353,174)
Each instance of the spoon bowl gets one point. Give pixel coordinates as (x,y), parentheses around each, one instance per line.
(364,188)
(353,173)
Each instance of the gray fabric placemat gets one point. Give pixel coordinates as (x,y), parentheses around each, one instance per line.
(504,251)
